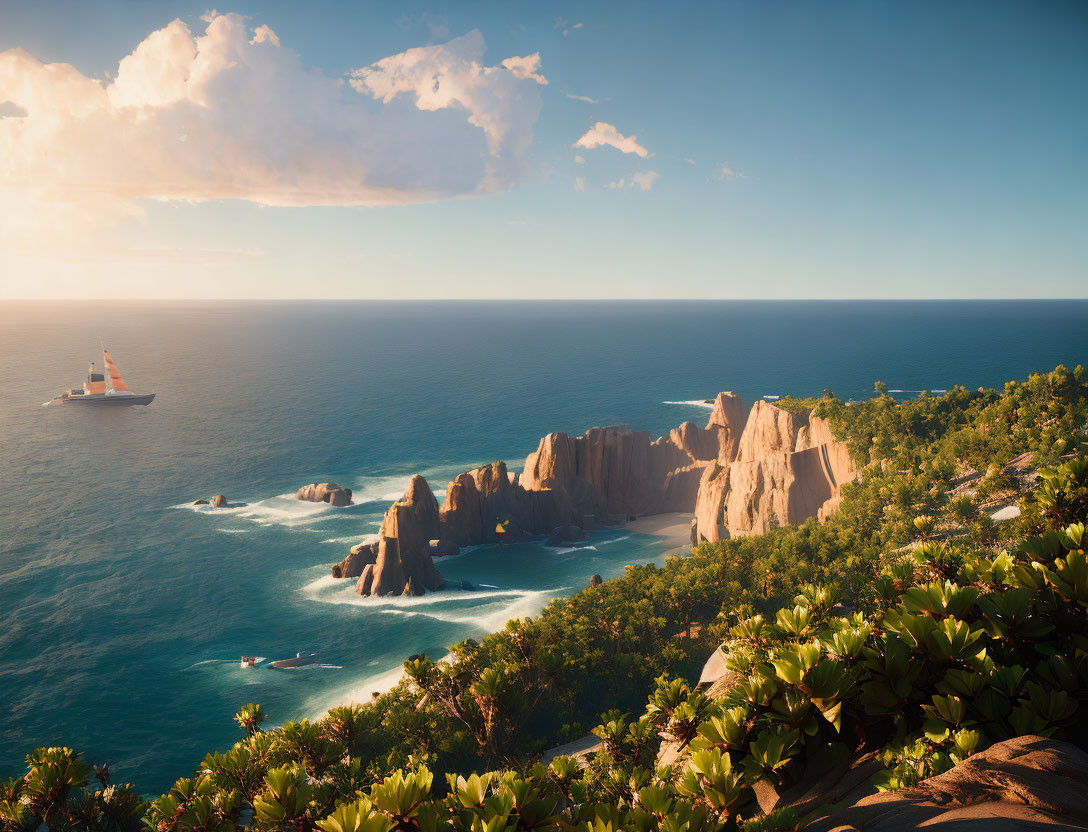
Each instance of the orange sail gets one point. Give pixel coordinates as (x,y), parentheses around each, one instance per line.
(116,382)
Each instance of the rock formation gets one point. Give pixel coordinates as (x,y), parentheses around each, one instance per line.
(744,473)
(1026,783)
(325,492)
(218,501)
(402,564)
(788,467)
(360,556)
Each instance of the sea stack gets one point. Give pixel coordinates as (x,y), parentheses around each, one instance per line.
(402,563)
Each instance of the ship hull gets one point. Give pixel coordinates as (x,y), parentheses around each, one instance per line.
(114,400)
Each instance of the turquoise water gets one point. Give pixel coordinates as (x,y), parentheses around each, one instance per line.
(123,610)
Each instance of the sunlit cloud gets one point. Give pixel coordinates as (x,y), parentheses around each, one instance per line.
(526,68)
(603,134)
(584,98)
(232,114)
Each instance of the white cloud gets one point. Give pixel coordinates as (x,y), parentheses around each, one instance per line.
(526,68)
(602,133)
(689,160)
(726,173)
(579,183)
(584,98)
(644,180)
(619,183)
(231,114)
(579,160)
(566,27)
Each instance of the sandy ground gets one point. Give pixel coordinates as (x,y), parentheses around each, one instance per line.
(675,527)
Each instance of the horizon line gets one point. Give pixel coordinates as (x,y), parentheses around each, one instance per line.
(85,299)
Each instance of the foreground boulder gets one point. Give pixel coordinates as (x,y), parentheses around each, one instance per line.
(325,492)
(1026,783)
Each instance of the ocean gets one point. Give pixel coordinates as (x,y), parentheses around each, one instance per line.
(124,609)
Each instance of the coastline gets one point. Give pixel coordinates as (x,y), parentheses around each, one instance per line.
(673,526)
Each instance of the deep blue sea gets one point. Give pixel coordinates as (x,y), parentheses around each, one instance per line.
(124,610)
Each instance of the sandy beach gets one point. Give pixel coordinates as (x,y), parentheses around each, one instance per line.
(674,527)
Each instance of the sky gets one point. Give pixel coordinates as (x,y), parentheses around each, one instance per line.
(510,149)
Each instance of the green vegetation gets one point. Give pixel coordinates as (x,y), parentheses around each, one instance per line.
(909,624)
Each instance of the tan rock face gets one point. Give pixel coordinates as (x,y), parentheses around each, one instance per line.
(731,416)
(1026,783)
(788,468)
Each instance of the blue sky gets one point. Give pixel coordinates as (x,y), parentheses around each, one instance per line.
(805,150)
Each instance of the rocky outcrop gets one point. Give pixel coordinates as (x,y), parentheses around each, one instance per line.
(325,492)
(1026,783)
(789,467)
(402,564)
(359,557)
(218,501)
(744,473)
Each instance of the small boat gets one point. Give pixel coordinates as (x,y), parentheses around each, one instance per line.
(96,391)
(251,661)
(298,661)
(771,398)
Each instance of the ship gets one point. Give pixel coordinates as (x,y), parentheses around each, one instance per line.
(298,661)
(97,391)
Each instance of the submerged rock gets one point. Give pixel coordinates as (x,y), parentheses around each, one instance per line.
(567,534)
(200,502)
(325,492)
(443,548)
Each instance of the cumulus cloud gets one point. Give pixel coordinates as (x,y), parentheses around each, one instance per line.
(726,173)
(579,160)
(580,183)
(526,68)
(232,114)
(604,134)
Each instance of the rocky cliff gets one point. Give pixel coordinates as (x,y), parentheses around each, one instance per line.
(788,467)
(743,473)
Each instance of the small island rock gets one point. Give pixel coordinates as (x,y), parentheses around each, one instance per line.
(325,492)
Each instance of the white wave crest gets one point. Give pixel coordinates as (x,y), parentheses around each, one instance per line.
(694,403)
